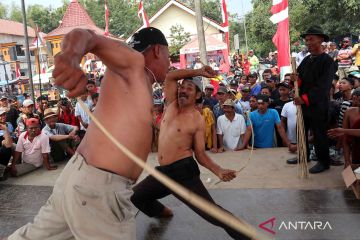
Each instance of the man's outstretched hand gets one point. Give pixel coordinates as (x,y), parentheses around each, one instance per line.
(207,71)
(226,175)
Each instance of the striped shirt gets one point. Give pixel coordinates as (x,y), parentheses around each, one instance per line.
(343,107)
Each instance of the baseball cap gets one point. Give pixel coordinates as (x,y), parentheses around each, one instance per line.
(27,102)
(209,86)
(31,121)
(222,90)
(262,98)
(197,81)
(355,74)
(282,84)
(229,102)
(146,37)
(49,113)
(3,110)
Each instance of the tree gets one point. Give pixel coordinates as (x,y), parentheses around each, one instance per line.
(3,10)
(15,13)
(178,39)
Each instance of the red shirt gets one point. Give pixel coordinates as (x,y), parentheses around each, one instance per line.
(68,118)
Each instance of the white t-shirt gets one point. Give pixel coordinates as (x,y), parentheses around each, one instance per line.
(32,151)
(289,112)
(80,112)
(231,131)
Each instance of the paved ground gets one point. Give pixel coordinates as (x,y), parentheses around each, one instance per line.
(267,188)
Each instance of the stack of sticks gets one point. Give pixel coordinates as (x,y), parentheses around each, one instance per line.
(300,131)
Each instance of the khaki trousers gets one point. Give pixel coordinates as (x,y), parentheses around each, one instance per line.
(86,203)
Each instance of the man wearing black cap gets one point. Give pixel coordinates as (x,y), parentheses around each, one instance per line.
(98,168)
(182,134)
(315,76)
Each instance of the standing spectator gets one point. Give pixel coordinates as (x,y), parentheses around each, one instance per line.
(346,86)
(210,128)
(274,91)
(344,58)
(266,91)
(94,99)
(82,116)
(301,55)
(234,85)
(231,127)
(27,112)
(245,97)
(253,103)
(284,92)
(12,113)
(266,75)
(316,73)
(221,96)
(254,62)
(63,138)
(209,100)
(333,52)
(287,79)
(42,104)
(66,113)
(254,86)
(264,121)
(356,53)
(246,65)
(32,148)
(212,63)
(198,63)
(224,68)
(243,82)
(5,149)
(90,89)
(288,121)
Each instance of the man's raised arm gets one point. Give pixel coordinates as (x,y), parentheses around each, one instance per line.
(174,76)
(117,56)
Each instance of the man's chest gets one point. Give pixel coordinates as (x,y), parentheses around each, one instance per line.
(177,124)
(263,121)
(32,146)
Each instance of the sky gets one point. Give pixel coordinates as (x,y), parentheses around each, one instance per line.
(234,6)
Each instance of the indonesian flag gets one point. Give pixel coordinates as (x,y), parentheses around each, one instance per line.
(225,22)
(281,38)
(106,20)
(38,40)
(142,15)
(17,70)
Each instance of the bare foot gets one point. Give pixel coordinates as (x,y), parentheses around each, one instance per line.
(166,213)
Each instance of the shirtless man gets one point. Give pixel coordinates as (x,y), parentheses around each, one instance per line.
(350,132)
(90,198)
(181,136)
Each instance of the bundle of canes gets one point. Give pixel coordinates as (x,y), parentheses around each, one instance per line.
(209,208)
(300,131)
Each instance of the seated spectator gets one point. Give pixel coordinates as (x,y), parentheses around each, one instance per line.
(32,148)
(5,150)
(210,128)
(345,86)
(12,113)
(3,120)
(209,100)
(27,112)
(254,86)
(263,123)
(63,138)
(231,127)
(66,113)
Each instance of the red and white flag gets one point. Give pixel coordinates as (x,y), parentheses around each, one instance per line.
(225,22)
(106,20)
(142,15)
(17,70)
(281,39)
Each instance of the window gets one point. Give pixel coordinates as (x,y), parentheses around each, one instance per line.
(52,45)
(19,51)
(56,44)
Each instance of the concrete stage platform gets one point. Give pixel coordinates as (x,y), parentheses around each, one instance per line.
(268,188)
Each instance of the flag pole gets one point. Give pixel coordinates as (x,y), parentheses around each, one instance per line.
(38,57)
(244,22)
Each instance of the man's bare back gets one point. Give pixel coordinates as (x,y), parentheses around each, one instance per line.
(125,102)
(177,132)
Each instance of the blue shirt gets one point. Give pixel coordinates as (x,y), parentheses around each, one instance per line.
(255,90)
(10,129)
(264,126)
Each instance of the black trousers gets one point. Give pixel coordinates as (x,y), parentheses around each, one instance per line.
(5,155)
(186,172)
(317,121)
